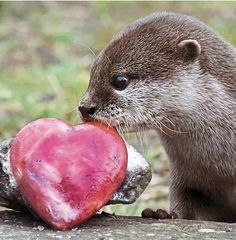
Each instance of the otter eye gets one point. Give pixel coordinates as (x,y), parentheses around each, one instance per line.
(120,82)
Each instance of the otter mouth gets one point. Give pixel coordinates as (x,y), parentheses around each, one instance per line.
(120,127)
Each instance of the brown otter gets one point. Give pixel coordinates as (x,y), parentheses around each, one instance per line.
(173,73)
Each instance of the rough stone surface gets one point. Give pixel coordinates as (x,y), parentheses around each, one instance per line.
(22,226)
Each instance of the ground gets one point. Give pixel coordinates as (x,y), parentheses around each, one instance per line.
(24,227)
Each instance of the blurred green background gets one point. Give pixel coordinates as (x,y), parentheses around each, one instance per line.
(46,49)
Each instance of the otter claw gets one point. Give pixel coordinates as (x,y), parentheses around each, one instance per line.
(158,214)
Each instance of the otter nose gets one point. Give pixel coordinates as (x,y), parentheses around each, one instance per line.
(87,111)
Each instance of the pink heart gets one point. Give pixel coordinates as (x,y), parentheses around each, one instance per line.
(67,173)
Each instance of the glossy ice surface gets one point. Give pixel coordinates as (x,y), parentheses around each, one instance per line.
(66,173)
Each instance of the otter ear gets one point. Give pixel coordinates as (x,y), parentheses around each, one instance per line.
(190,49)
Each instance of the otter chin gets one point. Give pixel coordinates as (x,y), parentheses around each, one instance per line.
(173,73)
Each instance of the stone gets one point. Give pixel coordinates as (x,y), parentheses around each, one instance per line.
(23,226)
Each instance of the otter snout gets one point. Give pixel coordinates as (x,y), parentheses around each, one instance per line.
(86,108)
(86,111)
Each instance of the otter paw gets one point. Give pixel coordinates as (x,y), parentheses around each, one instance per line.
(158,214)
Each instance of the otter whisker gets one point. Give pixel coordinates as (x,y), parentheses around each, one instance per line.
(120,129)
(168,120)
(174,131)
(159,126)
(104,54)
(89,48)
(72,110)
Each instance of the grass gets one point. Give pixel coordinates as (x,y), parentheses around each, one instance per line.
(46,49)
(32,93)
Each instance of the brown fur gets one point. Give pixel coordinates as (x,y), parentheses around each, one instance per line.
(187,91)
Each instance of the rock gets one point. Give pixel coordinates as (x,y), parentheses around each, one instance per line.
(22,226)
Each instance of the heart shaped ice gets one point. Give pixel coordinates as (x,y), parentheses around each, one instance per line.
(66,173)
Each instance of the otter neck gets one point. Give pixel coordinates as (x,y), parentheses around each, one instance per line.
(202,129)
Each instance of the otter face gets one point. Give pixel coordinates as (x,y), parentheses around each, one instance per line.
(133,79)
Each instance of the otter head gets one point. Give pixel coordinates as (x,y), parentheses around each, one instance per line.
(134,79)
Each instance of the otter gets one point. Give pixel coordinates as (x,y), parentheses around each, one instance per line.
(173,73)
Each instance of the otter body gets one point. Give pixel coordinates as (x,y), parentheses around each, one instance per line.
(172,73)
